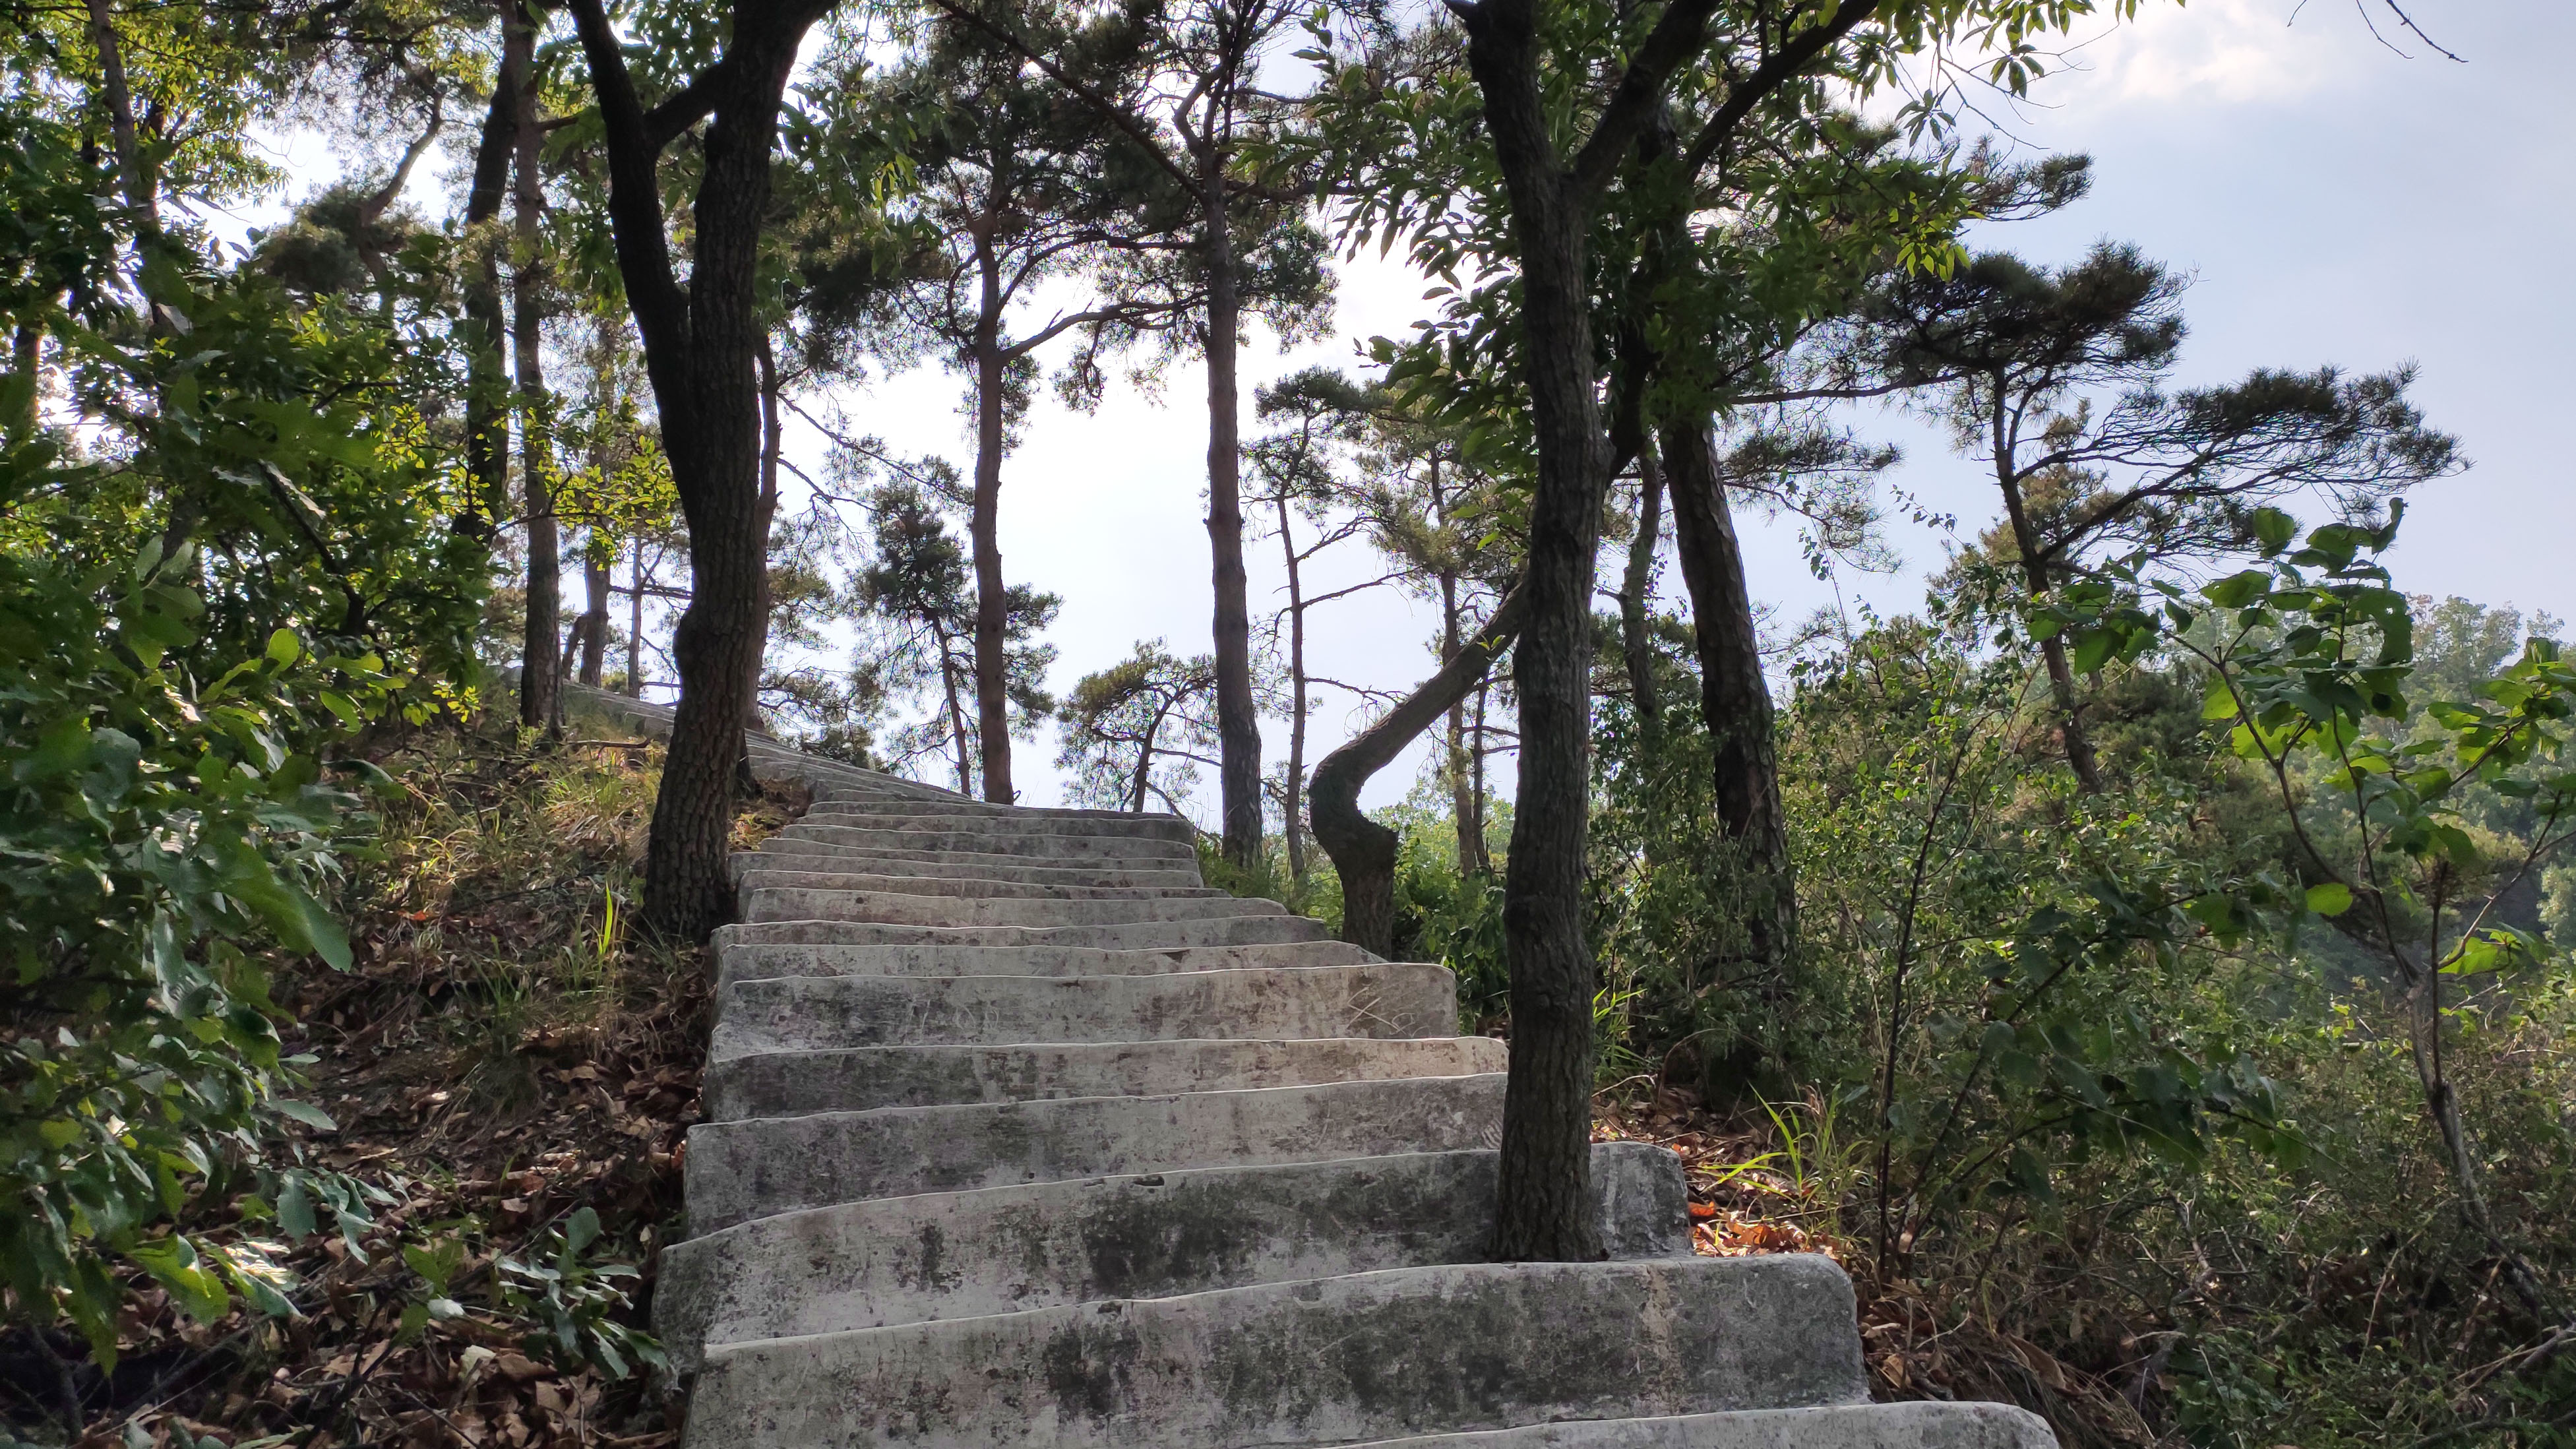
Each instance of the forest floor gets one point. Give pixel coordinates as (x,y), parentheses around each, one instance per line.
(500,1057)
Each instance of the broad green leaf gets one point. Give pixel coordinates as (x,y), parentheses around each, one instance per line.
(2331,899)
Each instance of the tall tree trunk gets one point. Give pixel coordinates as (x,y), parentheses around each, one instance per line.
(26,364)
(1292,803)
(594,619)
(487,413)
(135,176)
(1634,587)
(635,626)
(961,739)
(540,703)
(1238,721)
(1546,1210)
(1734,697)
(983,528)
(2034,566)
(772,446)
(1363,851)
(701,343)
(1476,793)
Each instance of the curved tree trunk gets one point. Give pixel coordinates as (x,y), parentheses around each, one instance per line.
(1363,851)
(701,344)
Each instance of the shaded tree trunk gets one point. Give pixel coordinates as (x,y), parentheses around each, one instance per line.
(1363,851)
(1735,700)
(593,624)
(487,425)
(540,665)
(26,360)
(983,528)
(1292,803)
(1238,722)
(701,344)
(635,626)
(1546,1209)
(1634,586)
(2034,567)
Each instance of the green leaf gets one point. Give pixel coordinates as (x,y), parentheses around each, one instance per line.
(295,1209)
(308,1114)
(284,648)
(173,1263)
(2238,589)
(2331,899)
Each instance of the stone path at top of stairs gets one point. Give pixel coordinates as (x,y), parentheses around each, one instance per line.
(1019,1136)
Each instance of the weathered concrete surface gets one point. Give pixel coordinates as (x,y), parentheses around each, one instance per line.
(763,1165)
(1046,1245)
(1372,1355)
(1839,1426)
(962,886)
(786,1014)
(757,962)
(1017,823)
(788,1084)
(835,798)
(1140,935)
(918,910)
(1221,1194)
(960,837)
(776,854)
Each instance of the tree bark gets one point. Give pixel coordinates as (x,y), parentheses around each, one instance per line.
(26,363)
(635,625)
(487,416)
(959,737)
(1735,700)
(2052,650)
(701,343)
(593,624)
(1363,851)
(1546,1209)
(1634,586)
(772,446)
(983,528)
(1238,721)
(1292,804)
(540,666)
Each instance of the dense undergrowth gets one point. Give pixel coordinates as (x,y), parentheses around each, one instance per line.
(2086,1141)
(508,1073)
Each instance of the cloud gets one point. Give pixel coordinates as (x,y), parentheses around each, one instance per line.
(2222,52)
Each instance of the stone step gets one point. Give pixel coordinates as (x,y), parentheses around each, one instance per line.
(737,1171)
(1045,1245)
(755,963)
(894,908)
(776,854)
(950,841)
(1140,935)
(821,1013)
(1832,1426)
(1325,1361)
(1094,827)
(772,878)
(788,1084)
(834,802)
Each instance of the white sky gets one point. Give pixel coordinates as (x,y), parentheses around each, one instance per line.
(2338,203)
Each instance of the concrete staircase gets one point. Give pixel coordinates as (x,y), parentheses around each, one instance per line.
(1020,1136)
